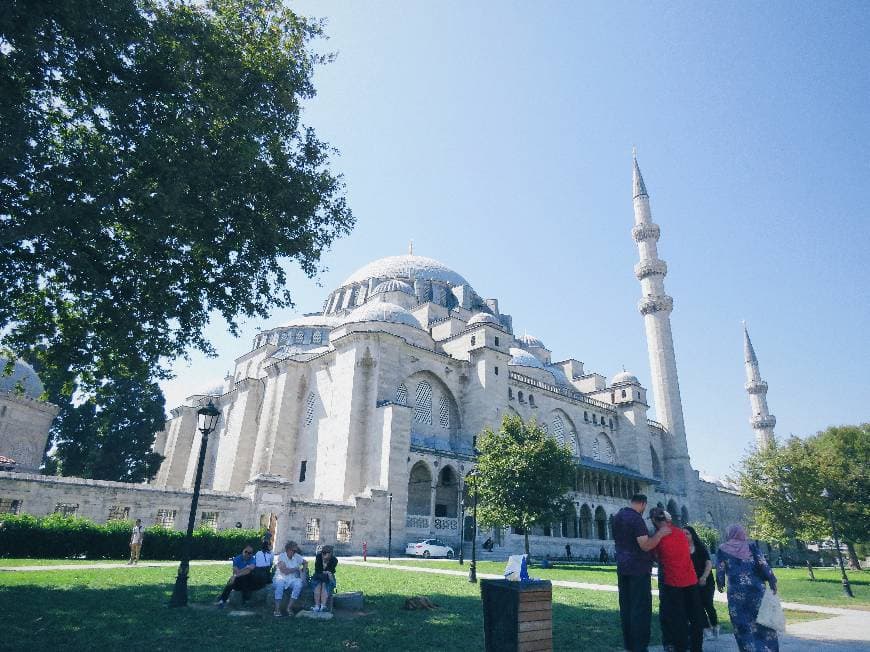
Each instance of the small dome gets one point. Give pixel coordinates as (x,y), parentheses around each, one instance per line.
(382,311)
(531,342)
(558,375)
(22,375)
(484,318)
(520,358)
(624,377)
(394,285)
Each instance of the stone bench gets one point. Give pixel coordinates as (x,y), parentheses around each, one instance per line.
(351,601)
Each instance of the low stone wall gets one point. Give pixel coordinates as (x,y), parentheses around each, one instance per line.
(99,499)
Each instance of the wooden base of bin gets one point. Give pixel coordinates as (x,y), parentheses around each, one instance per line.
(517,616)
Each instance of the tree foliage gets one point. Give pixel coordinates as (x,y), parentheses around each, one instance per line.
(154,171)
(785,483)
(522,476)
(708,534)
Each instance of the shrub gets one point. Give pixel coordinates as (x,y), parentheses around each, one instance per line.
(57,536)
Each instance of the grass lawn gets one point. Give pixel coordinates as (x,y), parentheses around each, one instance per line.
(794,583)
(125,608)
(66,562)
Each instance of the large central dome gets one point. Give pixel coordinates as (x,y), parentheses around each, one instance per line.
(406,267)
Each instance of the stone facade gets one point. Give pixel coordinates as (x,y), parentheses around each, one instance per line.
(361,419)
(25,419)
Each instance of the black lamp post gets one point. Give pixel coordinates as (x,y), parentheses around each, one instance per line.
(461,527)
(207,418)
(390,529)
(847,589)
(472,570)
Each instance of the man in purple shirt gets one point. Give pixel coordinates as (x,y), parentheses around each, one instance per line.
(633,568)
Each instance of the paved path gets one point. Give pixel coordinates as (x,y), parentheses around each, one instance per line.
(847,630)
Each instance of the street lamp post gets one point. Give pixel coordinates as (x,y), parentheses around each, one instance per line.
(390,529)
(847,589)
(207,418)
(472,570)
(461,529)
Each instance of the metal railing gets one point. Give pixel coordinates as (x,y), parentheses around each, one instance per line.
(562,391)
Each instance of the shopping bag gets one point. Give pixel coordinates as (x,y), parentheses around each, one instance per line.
(770,612)
(517,568)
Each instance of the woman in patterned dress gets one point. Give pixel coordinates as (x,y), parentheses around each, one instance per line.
(746,571)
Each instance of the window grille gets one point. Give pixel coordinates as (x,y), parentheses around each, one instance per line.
(559,429)
(444,412)
(66,509)
(317,337)
(343,533)
(166,518)
(423,404)
(309,409)
(119,513)
(401,395)
(209,520)
(300,337)
(312,529)
(10,506)
(596,451)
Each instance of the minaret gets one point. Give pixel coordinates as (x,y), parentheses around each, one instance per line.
(656,306)
(762,420)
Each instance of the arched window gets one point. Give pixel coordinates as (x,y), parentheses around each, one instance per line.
(656,465)
(309,409)
(684,516)
(423,404)
(585,522)
(447,493)
(602,449)
(520,397)
(420,490)
(531,400)
(559,429)
(300,337)
(401,394)
(473,340)
(510,394)
(444,412)
(600,523)
(623,393)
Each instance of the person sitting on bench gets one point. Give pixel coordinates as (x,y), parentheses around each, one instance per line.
(290,573)
(243,576)
(323,580)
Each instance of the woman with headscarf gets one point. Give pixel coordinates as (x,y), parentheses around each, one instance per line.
(706,585)
(746,571)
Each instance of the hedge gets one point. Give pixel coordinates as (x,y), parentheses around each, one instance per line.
(62,537)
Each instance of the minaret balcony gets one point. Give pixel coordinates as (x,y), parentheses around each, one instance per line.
(761,421)
(756,387)
(653,267)
(646,231)
(653,304)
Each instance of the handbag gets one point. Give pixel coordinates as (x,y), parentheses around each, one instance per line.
(770,612)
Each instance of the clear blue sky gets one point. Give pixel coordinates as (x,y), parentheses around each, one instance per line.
(498,136)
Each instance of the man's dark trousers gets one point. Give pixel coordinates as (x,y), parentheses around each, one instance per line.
(682,618)
(635,611)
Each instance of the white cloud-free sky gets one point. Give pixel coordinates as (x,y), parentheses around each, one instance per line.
(498,137)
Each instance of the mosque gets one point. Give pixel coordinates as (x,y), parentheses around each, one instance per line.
(343,425)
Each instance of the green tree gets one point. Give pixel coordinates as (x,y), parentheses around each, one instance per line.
(522,476)
(155,172)
(709,535)
(785,483)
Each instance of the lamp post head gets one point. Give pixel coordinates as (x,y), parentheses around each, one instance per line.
(207,418)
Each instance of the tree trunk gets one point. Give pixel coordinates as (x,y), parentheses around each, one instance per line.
(810,571)
(854,563)
(526,539)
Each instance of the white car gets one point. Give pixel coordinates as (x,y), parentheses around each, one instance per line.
(429,548)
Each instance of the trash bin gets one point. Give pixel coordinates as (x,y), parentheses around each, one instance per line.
(517,616)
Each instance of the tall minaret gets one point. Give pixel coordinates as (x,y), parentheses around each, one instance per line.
(762,420)
(656,307)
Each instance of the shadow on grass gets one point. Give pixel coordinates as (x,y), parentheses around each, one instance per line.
(136,618)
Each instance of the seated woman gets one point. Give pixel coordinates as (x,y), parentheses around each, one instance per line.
(323,580)
(263,565)
(289,573)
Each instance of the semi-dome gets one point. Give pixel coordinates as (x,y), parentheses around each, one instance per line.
(558,374)
(484,318)
(393,285)
(23,376)
(382,311)
(406,267)
(521,358)
(531,342)
(624,377)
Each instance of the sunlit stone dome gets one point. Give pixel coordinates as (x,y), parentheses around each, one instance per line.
(408,266)
(624,377)
(531,341)
(393,285)
(384,312)
(484,318)
(521,358)
(22,376)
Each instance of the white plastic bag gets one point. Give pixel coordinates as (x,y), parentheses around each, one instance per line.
(516,568)
(770,612)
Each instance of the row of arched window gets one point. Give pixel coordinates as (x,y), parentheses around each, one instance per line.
(423,404)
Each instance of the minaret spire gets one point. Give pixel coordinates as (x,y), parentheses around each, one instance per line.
(762,421)
(656,306)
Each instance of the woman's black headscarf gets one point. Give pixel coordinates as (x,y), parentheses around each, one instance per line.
(696,540)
